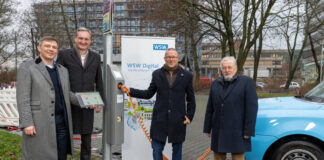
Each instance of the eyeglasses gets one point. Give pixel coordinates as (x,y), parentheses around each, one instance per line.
(170,57)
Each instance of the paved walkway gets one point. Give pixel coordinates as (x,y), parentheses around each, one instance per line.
(196,142)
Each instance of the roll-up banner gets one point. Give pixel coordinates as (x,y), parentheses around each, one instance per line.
(140,57)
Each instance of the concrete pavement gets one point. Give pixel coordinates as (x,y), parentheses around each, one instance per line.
(196,142)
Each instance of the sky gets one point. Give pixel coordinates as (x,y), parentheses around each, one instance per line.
(23,5)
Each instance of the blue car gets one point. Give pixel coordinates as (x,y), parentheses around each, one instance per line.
(290,128)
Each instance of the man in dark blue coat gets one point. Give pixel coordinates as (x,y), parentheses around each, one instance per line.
(231,112)
(173,88)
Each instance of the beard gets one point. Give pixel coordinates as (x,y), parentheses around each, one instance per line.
(228,78)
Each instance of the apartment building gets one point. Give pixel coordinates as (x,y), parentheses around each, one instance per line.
(128,20)
(271,62)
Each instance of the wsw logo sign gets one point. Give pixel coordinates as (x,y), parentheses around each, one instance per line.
(160,47)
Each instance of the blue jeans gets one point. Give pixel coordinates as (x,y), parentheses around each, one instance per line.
(63,140)
(158,147)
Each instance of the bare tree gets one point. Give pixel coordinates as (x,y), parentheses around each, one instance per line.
(316,30)
(179,18)
(6,12)
(59,18)
(318,67)
(75,15)
(29,32)
(46,19)
(296,22)
(235,24)
(257,48)
(4,54)
(65,22)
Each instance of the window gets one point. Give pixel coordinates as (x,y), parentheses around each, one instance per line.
(99,15)
(81,24)
(79,9)
(70,9)
(119,7)
(119,14)
(89,8)
(122,23)
(99,39)
(92,24)
(90,15)
(99,8)
(276,62)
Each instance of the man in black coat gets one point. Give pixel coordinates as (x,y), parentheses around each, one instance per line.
(231,112)
(85,75)
(173,86)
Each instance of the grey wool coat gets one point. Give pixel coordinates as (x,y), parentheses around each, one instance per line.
(36,106)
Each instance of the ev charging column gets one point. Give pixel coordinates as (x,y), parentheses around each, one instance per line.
(107,60)
(107,148)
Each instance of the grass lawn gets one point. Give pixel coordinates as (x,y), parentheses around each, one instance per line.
(269,95)
(10,147)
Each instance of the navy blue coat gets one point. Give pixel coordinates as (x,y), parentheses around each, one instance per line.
(170,107)
(231,115)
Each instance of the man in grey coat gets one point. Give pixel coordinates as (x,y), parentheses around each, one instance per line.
(231,112)
(43,100)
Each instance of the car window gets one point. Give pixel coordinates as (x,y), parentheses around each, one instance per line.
(317,93)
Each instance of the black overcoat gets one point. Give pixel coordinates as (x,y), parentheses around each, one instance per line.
(231,115)
(170,107)
(82,79)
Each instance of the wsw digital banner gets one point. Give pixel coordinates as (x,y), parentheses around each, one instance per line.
(140,57)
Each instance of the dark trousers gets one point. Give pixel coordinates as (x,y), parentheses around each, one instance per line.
(85,146)
(158,149)
(62,140)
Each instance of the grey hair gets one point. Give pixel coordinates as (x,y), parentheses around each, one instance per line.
(83,29)
(228,58)
(170,49)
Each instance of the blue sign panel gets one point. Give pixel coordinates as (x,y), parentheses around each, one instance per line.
(160,47)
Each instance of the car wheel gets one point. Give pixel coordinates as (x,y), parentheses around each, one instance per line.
(298,150)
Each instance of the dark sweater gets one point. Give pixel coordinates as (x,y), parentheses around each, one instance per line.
(59,99)
(170,77)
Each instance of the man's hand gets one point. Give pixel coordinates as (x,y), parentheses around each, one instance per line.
(93,107)
(246,137)
(98,109)
(186,121)
(30,130)
(208,135)
(125,89)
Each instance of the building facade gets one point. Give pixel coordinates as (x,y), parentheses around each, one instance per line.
(128,20)
(315,48)
(271,62)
